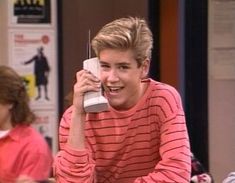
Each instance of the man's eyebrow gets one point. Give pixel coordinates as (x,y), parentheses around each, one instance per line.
(123,63)
(119,63)
(102,62)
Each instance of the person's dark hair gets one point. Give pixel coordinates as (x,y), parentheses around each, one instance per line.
(13,91)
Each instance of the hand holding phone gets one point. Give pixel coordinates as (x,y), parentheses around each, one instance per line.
(94,101)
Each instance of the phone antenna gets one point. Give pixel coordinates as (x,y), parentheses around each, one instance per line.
(89,44)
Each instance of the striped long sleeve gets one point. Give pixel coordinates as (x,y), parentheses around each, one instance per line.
(72,165)
(148,143)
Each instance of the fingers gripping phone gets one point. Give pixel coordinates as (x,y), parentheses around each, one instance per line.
(94,101)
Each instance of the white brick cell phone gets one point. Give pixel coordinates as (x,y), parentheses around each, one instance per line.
(94,101)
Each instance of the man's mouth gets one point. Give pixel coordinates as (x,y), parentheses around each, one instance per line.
(114,89)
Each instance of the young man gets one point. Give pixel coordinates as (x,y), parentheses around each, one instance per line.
(24,154)
(142,137)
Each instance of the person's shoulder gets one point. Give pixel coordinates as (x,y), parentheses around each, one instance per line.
(25,130)
(68,111)
(66,117)
(35,143)
(166,98)
(163,88)
(35,57)
(165,93)
(31,133)
(30,136)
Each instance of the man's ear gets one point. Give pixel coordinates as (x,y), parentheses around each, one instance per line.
(145,68)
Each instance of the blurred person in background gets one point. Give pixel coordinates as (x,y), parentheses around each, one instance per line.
(24,154)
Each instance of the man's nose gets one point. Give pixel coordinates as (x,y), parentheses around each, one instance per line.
(113,76)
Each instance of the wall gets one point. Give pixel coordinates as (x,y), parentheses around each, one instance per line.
(19,41)
(222,127)
(169,42)
(221,81)
(80,16)
(3,33)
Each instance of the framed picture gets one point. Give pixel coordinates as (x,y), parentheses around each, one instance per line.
(32,54)
(47,124)
(31,13)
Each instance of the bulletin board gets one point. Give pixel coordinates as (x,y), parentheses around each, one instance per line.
(32,27)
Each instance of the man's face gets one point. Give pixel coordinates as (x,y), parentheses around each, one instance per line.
(121,78)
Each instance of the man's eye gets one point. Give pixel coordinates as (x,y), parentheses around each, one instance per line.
(104,66)
(123,67)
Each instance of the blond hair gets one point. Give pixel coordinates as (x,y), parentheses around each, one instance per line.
(123,34)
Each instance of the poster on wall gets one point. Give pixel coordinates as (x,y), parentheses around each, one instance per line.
(32,54)
(30,12)
(45,124)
